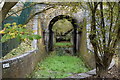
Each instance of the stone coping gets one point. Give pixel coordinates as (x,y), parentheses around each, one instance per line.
(20,56)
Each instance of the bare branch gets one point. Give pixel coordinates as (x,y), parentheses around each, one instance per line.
(90,6)
(38,13)
(20,10)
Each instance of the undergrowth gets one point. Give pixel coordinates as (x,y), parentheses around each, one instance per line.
(21,49)
(56,66)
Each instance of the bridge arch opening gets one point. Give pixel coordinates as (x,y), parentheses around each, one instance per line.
(50,27)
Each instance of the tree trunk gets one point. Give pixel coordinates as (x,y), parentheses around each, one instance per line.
(6,8)
(101,71)
(103,58)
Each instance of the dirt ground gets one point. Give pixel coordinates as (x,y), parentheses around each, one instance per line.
(113,73)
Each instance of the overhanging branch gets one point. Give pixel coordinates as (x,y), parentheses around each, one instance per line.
(38,13)
(26,8)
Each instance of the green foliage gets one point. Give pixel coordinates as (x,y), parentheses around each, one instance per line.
(62,26)
(59,67)
(63,44)
(17,31)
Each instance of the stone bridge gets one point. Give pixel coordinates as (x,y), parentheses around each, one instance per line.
(43,23)
(73,14)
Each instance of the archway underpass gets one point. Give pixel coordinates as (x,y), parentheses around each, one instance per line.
(60,37)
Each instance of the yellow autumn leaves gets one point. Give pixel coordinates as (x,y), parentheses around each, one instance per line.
(12,35)
(2,32)
(13,30)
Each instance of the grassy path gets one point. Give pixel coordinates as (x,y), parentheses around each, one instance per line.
(59,67)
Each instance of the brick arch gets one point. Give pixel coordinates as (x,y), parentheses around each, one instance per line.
(75,26)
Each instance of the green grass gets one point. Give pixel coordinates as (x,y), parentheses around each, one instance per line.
(59,67)
(63,44)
